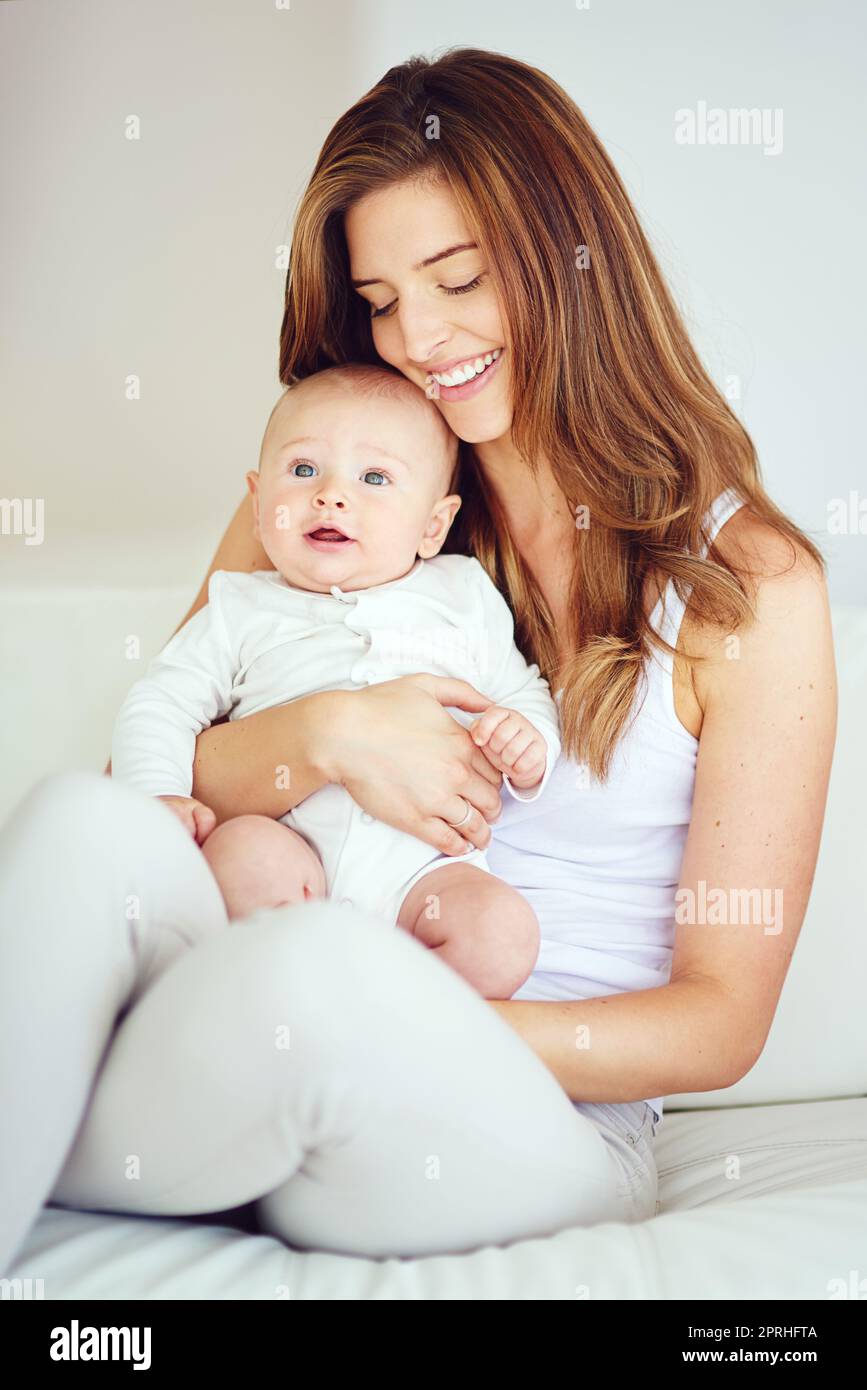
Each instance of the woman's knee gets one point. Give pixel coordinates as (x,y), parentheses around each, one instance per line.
(76,804)
(69,793)
(285,977)
(330,956)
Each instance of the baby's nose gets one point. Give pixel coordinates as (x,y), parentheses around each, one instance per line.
(329,497)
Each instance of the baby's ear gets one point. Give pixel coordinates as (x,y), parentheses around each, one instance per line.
(438,526)
(253,484)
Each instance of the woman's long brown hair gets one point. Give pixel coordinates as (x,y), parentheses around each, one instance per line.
(606,384)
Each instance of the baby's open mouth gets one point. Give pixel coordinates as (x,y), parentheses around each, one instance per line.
(327,537)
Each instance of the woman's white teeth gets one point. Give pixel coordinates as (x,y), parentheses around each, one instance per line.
(467,370)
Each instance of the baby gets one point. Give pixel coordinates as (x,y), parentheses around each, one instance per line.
(352,504)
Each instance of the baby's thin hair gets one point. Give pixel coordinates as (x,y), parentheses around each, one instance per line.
(372,380)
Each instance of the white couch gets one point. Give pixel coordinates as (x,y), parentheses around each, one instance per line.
(793,1224)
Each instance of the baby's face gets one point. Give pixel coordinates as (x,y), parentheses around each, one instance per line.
(350,488)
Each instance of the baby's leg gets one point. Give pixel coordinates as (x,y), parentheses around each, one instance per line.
(258,862)
(480,926)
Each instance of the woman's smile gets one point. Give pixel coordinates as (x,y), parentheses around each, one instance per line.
(467,379)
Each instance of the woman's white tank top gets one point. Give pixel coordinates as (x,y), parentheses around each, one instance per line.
(600,861)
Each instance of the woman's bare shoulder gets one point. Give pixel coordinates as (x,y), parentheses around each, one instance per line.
(790,612)
(762,553)
(779,574)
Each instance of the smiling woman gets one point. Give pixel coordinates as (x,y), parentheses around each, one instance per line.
(432,255)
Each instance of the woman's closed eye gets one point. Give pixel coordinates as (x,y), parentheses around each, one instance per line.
(449,289)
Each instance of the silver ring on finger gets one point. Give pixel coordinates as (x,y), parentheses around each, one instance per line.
(457,825)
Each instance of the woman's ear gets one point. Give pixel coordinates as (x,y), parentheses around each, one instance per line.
(253,484)
(438,526)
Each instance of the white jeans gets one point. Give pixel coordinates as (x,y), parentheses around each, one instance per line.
(158,1059)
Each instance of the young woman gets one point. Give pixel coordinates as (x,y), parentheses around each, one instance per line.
(463,225)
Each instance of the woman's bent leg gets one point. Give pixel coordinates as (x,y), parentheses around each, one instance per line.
(101,889)
(348,1078)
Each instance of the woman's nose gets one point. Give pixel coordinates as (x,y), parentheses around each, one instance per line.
(424,334)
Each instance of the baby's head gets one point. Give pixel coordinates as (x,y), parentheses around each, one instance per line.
(354,480)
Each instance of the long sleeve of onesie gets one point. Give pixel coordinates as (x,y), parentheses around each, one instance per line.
(186,687)
(511,681)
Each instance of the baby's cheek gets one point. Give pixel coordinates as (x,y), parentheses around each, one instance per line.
(276,530)
(275,516)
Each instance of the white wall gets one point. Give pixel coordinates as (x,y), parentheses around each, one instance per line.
(156,256)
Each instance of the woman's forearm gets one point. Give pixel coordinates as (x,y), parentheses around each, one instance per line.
(266,763)
(684,1036)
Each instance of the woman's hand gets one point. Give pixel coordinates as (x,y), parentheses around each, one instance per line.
(405,760)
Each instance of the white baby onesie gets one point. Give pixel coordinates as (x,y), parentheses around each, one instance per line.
(260,642)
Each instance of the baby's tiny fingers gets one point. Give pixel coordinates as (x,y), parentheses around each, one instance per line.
(533,759)
(516,747)
(484,727)
(510,728)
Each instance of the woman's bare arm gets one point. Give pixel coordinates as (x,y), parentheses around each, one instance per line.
(266,763)
(762,774)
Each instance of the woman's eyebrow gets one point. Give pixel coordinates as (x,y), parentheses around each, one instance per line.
(431,260)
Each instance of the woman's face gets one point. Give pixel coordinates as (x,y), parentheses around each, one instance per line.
(432,312)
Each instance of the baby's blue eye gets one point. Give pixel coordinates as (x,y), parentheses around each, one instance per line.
(378,479)
(298,466)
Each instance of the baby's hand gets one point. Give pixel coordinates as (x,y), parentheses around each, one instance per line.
(512,745)
(199,820)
